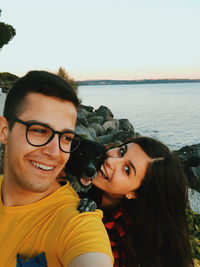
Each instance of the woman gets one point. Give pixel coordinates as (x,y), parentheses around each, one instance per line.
(142,190)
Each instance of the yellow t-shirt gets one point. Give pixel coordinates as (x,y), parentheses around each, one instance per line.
(196,263)
(53,226)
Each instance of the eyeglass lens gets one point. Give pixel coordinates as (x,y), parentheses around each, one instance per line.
(39,135)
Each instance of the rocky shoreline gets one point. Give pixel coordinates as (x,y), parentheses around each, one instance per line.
(101,125)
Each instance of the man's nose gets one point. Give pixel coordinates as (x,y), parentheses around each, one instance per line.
(52,148)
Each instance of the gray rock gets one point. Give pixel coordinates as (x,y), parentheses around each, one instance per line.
(81,119)
(194,200)
(123,136)
(96,119)
(106,139)
(84,111)
(88,108)
(109,130)
(193,174)
(91,114)
(125,125)
(190,158)
(92,132)
(98,128)
(190,155)
(112,125)
(116,137)
(83,131)
(105,113)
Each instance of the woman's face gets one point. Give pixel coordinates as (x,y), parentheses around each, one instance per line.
(123,171)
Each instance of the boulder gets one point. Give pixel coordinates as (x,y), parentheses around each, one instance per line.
(190,158)
(84,132)
(190,155)
(84,111)
(113,125)
(193,174)
(92,133)
(91,114)
(81,119)
(123,136)
(105,112)
(96,119)
(98,128)
(88,108)
(109,130)
(125,125)
(194,200)
(106,139)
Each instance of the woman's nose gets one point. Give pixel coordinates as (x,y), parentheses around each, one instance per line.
(112,153)
(113,161)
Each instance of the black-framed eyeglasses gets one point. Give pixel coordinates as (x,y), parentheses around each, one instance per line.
(39,134)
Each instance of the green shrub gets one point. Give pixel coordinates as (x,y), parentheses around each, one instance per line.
(194,228)
(64,74)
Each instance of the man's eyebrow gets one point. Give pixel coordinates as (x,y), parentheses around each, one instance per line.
(46,124)
(130,162)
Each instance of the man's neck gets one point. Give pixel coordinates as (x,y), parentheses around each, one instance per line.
(12,197)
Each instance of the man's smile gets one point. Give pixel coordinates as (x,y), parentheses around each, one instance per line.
(42,166)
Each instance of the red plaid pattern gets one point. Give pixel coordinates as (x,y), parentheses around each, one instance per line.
(116,224)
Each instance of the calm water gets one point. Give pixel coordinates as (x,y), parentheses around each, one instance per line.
(169,112)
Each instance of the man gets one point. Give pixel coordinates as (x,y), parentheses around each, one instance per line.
(39,222)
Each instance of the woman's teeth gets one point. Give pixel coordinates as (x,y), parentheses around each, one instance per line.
(41,166)
(103,171)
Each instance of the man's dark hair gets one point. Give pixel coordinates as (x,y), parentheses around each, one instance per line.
(42,82)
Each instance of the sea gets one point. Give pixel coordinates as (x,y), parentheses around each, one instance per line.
(169,112)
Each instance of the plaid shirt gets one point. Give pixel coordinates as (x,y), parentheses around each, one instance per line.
(116,224)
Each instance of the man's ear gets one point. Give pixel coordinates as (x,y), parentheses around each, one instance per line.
(131,195)
(4,130)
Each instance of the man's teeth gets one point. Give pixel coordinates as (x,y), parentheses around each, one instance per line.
(41,166)
(104,172)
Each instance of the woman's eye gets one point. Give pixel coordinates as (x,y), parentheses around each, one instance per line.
(127,169)
(121,151)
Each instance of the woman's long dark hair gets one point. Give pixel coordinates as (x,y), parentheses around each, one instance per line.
(158,235)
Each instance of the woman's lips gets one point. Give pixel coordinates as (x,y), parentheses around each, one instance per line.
(103,172)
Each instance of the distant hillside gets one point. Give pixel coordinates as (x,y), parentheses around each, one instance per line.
(6,76)
(7,79)
(146,81)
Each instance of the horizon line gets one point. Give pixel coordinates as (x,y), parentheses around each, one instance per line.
(144,79)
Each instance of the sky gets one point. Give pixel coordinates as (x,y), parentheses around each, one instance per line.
(104,39)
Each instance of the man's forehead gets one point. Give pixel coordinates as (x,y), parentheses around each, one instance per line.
(50,110)
(32,97)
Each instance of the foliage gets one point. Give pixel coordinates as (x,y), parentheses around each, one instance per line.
(64,74)
(6,81)
(6,76)
(194,228)
(7,32)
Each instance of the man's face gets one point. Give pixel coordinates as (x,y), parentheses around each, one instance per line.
(34,169)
